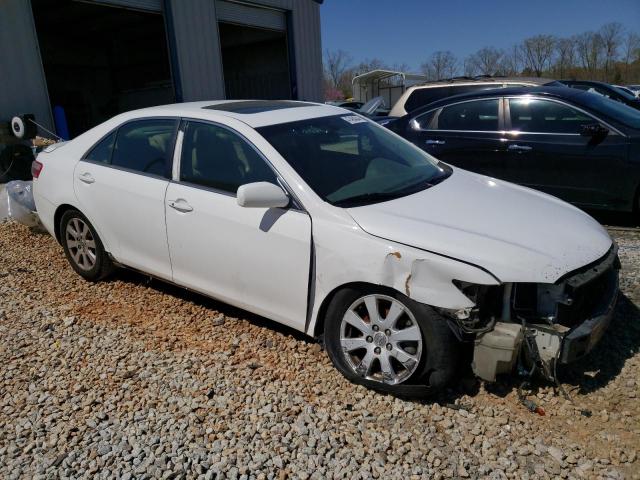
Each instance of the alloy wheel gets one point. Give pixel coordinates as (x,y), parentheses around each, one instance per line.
(381,339)
(81,244)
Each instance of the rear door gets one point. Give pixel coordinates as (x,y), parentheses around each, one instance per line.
(547,151)
(466,134)
(254,258)
(121,185)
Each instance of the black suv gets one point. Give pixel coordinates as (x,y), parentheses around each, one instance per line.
(424,94)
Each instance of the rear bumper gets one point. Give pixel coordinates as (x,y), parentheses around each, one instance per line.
(584,336)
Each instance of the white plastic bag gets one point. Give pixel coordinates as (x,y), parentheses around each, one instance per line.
(16,202)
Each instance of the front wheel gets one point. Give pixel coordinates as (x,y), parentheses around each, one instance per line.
(387,341)
(83,248)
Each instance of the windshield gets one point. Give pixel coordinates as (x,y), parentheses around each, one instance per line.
(616,111)
(350,161)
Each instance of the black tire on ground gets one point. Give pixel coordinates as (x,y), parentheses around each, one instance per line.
(440,348)
(99,265)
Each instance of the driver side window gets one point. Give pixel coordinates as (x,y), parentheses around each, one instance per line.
(145,146)
(216,157)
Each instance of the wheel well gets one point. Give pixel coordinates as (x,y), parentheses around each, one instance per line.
(318,329)
(58,216)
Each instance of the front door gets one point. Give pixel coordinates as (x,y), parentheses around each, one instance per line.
(466,134)
(255,258)
(121,186)
(547,151)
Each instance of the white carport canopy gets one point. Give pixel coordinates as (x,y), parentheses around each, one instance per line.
(370,84)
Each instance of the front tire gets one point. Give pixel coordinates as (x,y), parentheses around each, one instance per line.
(83,248)
(386,341)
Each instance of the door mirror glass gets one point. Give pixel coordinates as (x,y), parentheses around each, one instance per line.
(593,130)
(262,195)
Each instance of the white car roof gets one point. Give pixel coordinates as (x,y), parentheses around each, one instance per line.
(255,113)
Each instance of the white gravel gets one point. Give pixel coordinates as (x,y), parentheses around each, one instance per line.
(135,379)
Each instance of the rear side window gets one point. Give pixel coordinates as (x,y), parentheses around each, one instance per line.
(215,157)
(544,116)
(145,146)
(101,153)
(423,96)
(477,115)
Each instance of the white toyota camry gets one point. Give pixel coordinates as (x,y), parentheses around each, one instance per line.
(320,219)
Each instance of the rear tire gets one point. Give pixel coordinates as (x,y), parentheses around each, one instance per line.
(83,248)
(411,352)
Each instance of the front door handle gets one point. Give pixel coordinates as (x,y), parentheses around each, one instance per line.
(435,142)
(519,148)
(86,177)
(180,205)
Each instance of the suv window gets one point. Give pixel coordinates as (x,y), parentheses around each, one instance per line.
(423,96)
(102,151)
(145,146)
(215,157)
(545,116)
(479,115)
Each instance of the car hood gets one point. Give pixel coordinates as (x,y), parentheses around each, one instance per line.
(517,234)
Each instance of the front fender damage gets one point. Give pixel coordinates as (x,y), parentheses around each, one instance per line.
(429,278)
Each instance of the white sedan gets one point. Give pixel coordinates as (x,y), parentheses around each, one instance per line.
(320,219)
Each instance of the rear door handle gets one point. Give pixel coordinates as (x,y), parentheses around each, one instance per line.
(519,148)
(435,142)
(86,177)
(180,205)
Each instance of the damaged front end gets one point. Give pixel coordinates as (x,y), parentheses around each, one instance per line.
(536,326)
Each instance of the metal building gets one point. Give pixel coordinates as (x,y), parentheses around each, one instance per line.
(88,60)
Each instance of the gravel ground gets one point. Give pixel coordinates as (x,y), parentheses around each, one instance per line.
(131,378)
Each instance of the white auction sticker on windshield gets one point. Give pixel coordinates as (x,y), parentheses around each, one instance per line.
(353,119)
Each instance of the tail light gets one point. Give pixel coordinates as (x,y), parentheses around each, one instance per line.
(36,168)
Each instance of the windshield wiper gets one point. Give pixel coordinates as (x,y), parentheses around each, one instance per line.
(367,198)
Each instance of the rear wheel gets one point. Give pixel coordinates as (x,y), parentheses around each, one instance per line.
(386,341)
(83,247)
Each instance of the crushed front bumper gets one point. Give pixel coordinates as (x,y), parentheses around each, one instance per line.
(584,336)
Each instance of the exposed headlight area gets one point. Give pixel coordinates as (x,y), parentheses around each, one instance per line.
(536,326)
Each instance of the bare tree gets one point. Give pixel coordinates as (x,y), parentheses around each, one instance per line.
(589,47)
(537,53)
(336,64)
(511,63)
(442,64)
(369,64)
(469,67)
(631,51)
(611,34)
(485,61)
(565,56)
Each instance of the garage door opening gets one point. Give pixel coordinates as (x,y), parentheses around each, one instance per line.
(101,60)
(255,62)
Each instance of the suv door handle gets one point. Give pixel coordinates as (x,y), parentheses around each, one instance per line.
(435,142)
(180,205)
(86,177)
(519,148)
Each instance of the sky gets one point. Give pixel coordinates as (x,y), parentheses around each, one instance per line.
(408,31)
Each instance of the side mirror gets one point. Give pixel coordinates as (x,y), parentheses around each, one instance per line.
(262,195)
(594,130)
